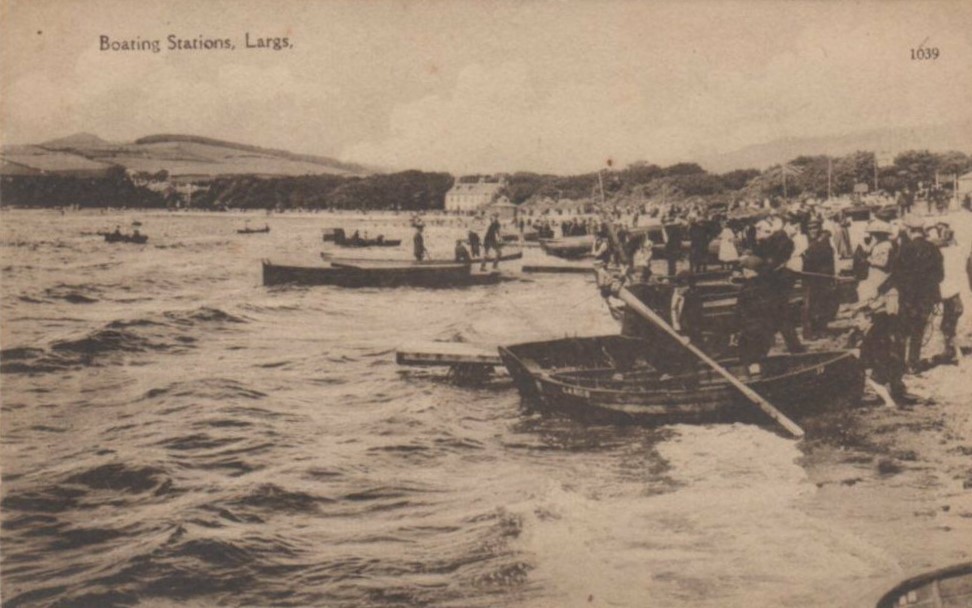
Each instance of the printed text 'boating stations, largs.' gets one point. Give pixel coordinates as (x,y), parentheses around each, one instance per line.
(200,42)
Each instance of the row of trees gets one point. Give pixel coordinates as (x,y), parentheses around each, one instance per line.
(819,176)
(804,176)
(112,189)
(408,190)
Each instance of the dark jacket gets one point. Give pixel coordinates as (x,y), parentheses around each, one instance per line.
(917,271)
(819,257)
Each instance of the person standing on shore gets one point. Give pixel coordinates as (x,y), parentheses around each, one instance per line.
(418,242)
(917,273)
(699,244)
(819,266)
(473,238)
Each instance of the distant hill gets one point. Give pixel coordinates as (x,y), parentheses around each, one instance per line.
(76,140)
(937,138)
(185,156)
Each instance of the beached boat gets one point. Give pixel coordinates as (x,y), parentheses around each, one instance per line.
(569,247)
(342,240)
(579,247)
(621,379)
(405,275)
(949,587)
(137,239)
(264,230)
(719,295)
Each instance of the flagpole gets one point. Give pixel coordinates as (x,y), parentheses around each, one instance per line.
(830,178)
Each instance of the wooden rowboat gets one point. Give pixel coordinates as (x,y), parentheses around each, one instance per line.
(264,230)
(437,275)
(569,247)
(138,239)
(949,587)
(579,247)
(384,262)
(342,240)
(621,379)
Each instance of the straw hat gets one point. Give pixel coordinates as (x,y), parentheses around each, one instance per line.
(878,227)
(913,222)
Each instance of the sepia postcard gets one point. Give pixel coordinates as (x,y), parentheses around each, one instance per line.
(485,303)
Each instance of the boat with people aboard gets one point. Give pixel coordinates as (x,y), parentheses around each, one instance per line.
(631,380)
(436,275)
(341,239)
(343,261)
(582,246)
(117,237)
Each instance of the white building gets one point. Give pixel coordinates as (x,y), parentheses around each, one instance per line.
(468,195)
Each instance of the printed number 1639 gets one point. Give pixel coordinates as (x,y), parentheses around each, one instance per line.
(923,54)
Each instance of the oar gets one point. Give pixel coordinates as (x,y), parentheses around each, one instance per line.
(649,315)
(632,300)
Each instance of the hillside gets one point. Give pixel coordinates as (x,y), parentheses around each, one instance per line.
(180,155)
(937,138)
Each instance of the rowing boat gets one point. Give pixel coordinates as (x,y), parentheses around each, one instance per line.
(342,240)
(621,379)
(949,587)
(578,247)
(569,247)
(431,275)
(138,239)
(383,262)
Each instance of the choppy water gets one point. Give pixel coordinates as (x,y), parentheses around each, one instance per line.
(173,433)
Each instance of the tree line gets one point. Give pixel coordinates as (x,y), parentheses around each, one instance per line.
(803,176)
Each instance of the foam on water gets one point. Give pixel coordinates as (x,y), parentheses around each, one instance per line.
(174,434)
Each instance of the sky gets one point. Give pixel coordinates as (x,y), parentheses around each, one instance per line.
(484,86)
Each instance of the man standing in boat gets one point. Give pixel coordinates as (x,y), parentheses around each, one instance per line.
(774,249)
(418,242)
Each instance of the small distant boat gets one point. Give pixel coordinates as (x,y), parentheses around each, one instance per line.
(441,275)
(342,240)
(113,237)
(949,587)
(248,230)
(628,380)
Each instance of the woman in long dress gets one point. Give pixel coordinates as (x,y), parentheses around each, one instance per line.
(728,254)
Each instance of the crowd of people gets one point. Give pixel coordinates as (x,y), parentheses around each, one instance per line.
(901,272)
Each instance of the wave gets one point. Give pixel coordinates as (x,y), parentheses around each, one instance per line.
(170,331)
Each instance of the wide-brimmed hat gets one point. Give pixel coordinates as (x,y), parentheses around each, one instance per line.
(878,227)
(913,222)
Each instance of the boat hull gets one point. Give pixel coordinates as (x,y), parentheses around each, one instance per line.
(949,587)
(612,379)
(442,276)
(140,239)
